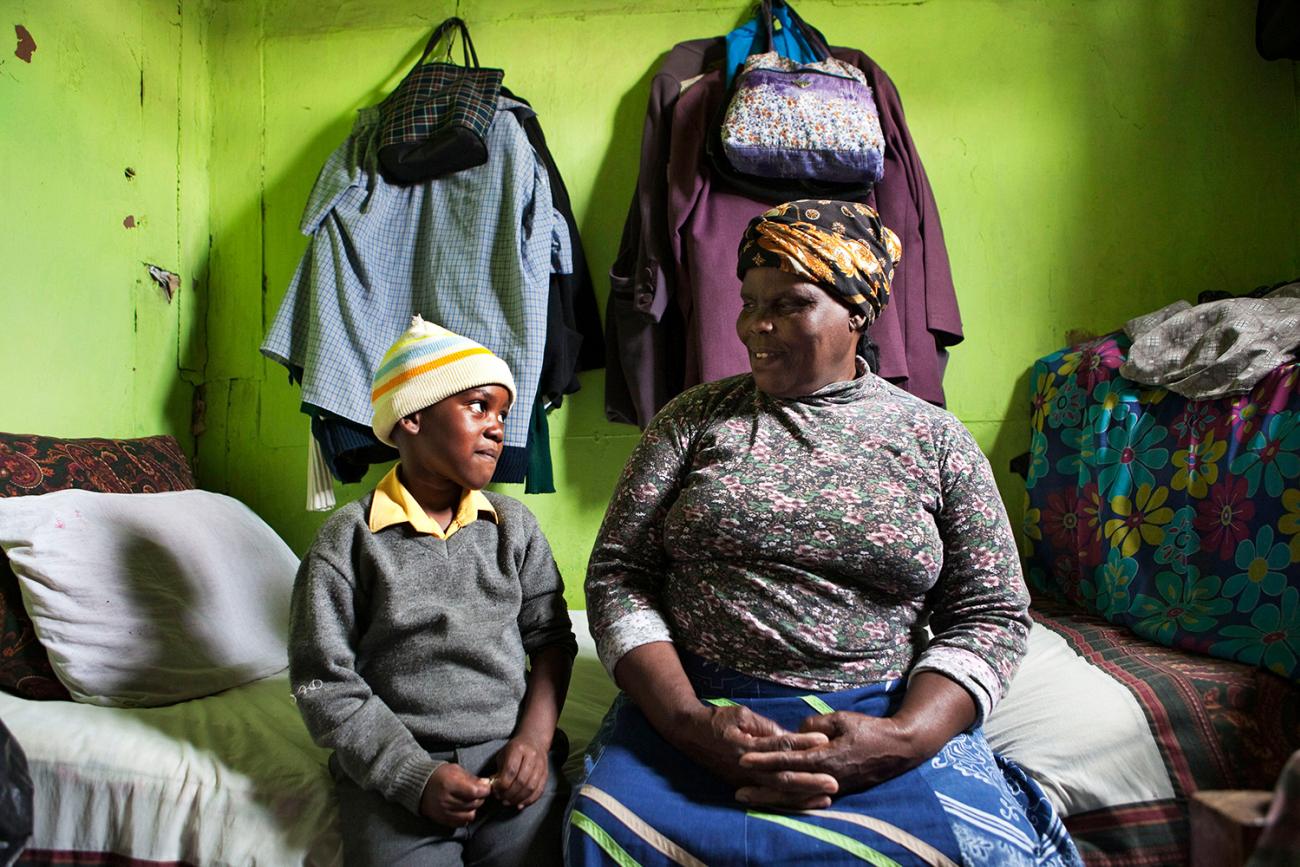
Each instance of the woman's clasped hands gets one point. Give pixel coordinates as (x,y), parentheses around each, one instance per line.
(723,740)
(832,753)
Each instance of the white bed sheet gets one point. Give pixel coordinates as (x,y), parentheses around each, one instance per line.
(231,778)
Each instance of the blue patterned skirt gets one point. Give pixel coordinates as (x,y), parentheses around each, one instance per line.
(642,802)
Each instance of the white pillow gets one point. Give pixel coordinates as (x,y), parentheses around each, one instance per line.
(1077,731)
(150,599)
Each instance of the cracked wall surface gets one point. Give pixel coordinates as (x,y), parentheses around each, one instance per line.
(104,144)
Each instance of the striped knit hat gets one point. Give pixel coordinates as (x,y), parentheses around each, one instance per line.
(426,364)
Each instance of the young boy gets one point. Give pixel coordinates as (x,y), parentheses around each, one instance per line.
(412,614)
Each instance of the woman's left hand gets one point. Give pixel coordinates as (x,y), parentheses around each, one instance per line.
(862,751)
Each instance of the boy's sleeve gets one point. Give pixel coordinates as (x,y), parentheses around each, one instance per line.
(373,747)
(543,615)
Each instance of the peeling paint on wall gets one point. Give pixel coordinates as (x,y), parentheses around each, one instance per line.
(26,44)
(168,280)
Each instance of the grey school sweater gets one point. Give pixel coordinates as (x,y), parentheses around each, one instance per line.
(401,643)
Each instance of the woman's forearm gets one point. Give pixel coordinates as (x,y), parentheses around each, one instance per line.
(652,676)
(935,709)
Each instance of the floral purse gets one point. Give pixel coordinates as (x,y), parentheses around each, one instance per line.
(812,121)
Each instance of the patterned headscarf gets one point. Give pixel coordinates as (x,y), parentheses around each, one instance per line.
(841,246)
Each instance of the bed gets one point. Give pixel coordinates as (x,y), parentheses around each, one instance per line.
(223,777)
(231,778)
(1115,728)
(218,769)
(234,779)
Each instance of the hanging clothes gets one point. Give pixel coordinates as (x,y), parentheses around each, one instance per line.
(678,250)
(473,251)
(573,334)
(1219,348)
(644,335)
(348,449)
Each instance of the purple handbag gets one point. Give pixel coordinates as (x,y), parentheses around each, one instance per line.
(811,121)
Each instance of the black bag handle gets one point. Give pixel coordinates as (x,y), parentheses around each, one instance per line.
(466,44)
(811,34)
(765,18)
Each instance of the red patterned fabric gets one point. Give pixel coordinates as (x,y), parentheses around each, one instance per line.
(31,464)
(1217,724)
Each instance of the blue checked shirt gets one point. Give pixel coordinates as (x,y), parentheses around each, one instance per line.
(473,252)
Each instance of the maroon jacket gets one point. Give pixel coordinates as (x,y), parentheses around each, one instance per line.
(674,292)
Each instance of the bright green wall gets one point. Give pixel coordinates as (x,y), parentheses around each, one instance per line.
(1092,161)
(91,345)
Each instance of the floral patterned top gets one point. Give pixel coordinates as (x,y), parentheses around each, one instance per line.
(810,541)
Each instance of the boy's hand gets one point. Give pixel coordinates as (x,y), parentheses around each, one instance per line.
(453,795)
(522,772)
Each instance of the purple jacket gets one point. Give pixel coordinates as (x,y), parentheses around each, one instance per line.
(679,245)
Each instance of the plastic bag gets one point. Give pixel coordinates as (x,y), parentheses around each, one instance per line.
(15,798)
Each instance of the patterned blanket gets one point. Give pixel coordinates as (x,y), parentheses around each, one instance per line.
(1218,725)
(1179,519)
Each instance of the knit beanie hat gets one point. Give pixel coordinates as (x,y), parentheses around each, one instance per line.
(426,364)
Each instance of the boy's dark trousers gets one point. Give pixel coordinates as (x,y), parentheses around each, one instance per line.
(379,833)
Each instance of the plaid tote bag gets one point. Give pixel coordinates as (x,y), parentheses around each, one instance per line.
(433,124)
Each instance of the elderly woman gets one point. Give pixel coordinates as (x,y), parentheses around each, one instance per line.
(761,589)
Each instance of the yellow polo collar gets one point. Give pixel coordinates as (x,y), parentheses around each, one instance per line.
(394,504)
